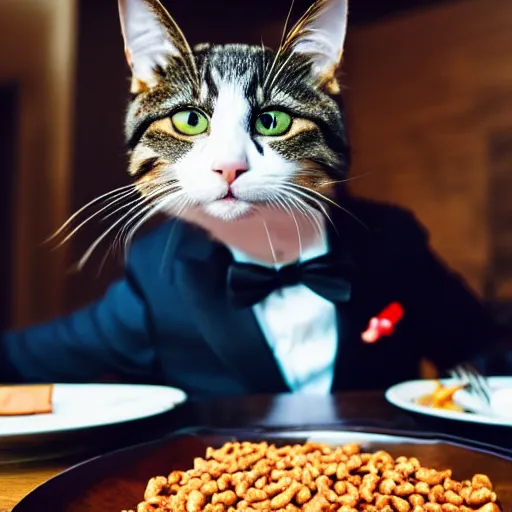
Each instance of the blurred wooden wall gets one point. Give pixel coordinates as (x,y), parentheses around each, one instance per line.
(429,98)
(37,43)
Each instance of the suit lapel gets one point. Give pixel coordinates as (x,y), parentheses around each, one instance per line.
(233,334)
(350,240)
(358,364)
(351,322)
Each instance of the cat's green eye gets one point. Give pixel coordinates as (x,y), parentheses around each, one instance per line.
(272,123)
(190,122)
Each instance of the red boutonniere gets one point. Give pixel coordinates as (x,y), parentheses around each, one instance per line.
(383,324)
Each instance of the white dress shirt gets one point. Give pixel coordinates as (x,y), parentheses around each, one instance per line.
(300,328)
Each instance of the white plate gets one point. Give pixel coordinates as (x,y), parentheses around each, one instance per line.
(404,395)
(78,406)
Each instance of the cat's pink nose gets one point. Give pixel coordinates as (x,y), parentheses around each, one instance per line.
(231,171)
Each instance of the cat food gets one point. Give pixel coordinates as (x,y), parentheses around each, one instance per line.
(25,400)
(442,398)
(313,478)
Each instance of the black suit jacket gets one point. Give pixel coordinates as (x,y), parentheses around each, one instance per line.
(169,320)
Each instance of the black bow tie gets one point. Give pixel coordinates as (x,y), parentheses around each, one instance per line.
(249,284)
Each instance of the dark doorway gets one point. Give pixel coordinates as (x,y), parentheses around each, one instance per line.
(8,162)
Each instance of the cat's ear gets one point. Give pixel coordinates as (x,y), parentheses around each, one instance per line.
(150,36)
(320,34)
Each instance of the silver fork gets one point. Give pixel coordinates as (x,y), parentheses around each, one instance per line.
(477,384)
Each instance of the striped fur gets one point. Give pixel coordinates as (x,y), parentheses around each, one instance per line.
(231,85)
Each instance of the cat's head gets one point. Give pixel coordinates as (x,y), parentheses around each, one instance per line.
(227,129)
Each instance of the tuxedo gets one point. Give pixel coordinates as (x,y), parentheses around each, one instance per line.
(170,320)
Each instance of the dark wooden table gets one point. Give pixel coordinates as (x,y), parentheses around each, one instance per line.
(350,410)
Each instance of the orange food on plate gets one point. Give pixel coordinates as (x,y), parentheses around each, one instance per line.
(26,400)
(442,398)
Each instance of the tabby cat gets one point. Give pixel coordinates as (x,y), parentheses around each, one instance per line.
(239,139)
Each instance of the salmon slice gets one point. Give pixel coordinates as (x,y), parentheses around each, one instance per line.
(26,400)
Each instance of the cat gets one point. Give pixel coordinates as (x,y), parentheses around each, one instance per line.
(248,143)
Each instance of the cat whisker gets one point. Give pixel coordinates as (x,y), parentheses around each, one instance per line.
(261,71)
(319,194)
(116,193)
(128,238)
(346,180)
(133,230)
(289,209)
(137,199)
(132,225)
(142,204)
(83,260)
(307,172)
(166,191)
(147,208)
(95,214)
(278,51)
(283,205)
(270,242)
(305,209)
(287,21)
(302,191)
(290,198)
(113,197)
(348,212)
(279,70)
(76,229)
(185,203)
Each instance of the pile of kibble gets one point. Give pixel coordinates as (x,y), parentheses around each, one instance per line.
(313,477)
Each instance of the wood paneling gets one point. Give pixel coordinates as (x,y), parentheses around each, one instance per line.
(499,272)
(36,52)
(425,94)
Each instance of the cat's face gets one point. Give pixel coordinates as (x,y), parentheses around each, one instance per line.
(228,129)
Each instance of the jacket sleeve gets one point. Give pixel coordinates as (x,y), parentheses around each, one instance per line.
(451,324)
(109,337)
